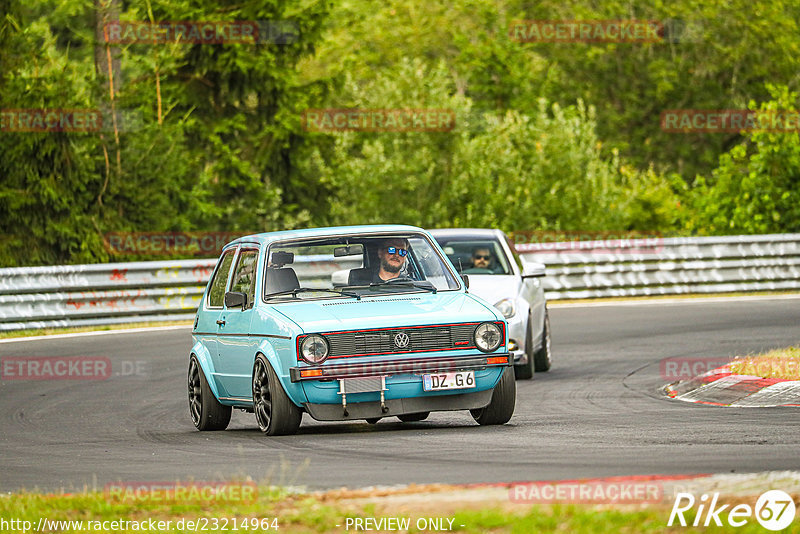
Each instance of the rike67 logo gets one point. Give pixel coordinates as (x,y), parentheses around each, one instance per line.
(774,510)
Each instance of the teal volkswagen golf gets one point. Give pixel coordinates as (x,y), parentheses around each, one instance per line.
(347,323)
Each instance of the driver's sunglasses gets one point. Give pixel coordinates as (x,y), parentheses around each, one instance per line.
(481,257)
(395,250)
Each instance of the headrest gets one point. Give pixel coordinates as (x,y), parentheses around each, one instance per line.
(278,280)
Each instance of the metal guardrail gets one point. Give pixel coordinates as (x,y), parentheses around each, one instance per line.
(668,266)
(85,295)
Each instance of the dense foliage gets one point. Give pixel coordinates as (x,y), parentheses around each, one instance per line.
(547,136)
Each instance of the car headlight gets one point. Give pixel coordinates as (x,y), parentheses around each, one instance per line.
(488,337)
(314,349)
(506,307)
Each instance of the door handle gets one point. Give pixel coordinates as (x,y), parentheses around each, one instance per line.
(221,322)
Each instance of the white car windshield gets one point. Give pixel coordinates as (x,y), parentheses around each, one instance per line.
(355,266)
(472,255)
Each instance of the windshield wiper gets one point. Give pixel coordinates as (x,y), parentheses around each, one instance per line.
(297,290)
(395,282)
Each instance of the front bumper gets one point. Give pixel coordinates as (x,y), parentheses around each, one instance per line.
(367,410)
(399,366)
(517,331)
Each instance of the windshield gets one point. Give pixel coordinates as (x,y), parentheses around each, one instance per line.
(476,256)
(355,267)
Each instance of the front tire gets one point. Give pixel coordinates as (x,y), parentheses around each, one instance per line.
(542,359)
(206,411)
(275,413)
(501,407)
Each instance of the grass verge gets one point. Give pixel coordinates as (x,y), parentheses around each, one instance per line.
(687,296)
(778,363)
(78,329)
(271,509)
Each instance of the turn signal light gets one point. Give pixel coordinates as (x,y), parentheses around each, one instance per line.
(496,360)
(310,373)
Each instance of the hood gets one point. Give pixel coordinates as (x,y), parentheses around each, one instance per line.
(386,311)
(493,287)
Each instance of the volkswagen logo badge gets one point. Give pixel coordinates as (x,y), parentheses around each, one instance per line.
(401,340)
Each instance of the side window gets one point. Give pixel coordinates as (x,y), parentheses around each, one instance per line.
(217,294)
(244,276)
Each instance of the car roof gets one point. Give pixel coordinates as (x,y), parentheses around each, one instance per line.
(460,233)
(269,237)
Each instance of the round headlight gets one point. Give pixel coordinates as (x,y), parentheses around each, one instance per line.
(488,337)
(314,349)
(506,307)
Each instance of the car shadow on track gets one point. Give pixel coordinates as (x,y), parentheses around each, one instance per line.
(364,428)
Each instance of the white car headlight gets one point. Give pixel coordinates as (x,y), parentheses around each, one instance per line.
(506,307)
(488,337)
(314,349)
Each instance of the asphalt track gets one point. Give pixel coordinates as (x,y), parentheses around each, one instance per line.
(599,412)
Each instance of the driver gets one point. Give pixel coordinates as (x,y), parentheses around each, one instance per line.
(482,258)
(392,254)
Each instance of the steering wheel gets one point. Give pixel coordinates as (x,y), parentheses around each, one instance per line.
(399,279)
(477,270)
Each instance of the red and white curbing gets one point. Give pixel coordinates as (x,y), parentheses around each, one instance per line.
(720,387)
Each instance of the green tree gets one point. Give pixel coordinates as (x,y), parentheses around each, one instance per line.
(246,102)
(205,137)
(47,178)
(513,171)
(756,188)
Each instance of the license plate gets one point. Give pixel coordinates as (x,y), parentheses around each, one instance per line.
(440,381)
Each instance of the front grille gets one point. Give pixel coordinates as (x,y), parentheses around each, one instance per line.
(365,384)
(420,339)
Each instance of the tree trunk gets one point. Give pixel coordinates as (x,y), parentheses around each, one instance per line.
(106,12)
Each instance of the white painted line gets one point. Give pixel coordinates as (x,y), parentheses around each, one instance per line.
(775,395)
(98,333)
(644,301)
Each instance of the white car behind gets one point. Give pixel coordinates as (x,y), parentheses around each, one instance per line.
(513,287)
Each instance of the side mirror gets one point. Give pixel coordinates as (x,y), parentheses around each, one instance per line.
(465,278)
(534,270)
(235,299)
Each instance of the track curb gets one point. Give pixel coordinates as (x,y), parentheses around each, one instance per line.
(721,387)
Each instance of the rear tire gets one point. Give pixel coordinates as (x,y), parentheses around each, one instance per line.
(542,359)
(275,413)
(413,417)
(525,370)
(373,420)
(206,411)
(501,407)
